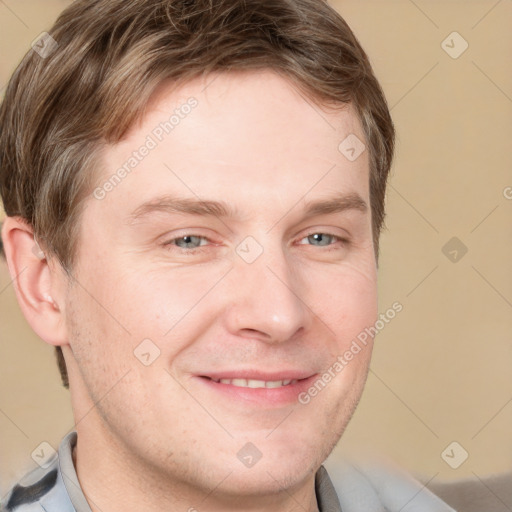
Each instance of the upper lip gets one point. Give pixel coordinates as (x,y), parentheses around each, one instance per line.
(259,375)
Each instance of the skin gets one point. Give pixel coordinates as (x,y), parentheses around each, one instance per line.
(156,437)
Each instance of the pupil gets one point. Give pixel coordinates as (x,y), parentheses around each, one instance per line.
(319,237)
(186,239)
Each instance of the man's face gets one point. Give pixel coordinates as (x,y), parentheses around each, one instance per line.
(268,294)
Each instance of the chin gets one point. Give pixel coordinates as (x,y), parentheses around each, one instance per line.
(269,479)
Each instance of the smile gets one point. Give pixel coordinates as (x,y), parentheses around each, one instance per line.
(252,383)
(265,391)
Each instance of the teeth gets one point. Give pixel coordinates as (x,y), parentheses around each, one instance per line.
(251,383)
(255,383)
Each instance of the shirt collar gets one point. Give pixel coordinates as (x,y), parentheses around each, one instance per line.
(69,476)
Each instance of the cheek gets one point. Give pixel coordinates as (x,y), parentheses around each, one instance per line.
(158,305)
(346,300)
(97,337)
(101,320)
(138,312)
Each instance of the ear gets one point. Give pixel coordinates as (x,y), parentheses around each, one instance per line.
(39,287)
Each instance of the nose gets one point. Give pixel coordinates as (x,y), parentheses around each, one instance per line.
(268,300)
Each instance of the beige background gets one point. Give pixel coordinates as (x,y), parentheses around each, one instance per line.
(441,370)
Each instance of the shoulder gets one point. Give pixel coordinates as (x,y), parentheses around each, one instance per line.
(43,489)
(377,486)
(26,495)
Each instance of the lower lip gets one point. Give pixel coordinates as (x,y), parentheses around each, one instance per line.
(284,395)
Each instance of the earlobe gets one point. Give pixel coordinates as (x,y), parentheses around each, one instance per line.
(35,283)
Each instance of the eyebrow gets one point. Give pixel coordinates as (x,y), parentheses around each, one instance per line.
(172,204)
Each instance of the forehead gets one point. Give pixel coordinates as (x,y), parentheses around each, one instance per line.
(237,137)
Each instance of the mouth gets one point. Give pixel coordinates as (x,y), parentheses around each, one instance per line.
(257,390)
(254,383)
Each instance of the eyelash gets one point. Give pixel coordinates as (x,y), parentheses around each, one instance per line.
(344,242)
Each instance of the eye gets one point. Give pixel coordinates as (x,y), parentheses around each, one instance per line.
(191,244)
(324,238)
(189,241)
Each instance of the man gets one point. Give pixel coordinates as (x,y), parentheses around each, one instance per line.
(195,192)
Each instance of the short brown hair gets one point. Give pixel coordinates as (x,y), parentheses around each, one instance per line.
(106,58)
